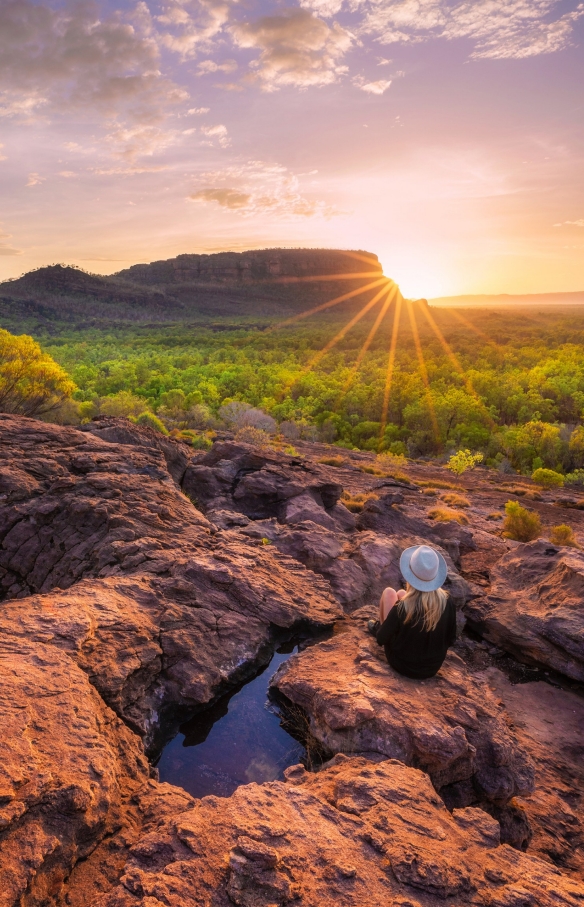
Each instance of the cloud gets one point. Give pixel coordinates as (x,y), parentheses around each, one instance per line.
(55,59)
(35,180)
(2,156)
(198,111)
(499,29)
(258,188)
(378,87)
(192,31)
(5,247)
(208,66)
(296,49)
(571,223)
(218,132)
(227,198)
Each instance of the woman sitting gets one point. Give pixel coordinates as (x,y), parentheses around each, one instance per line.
(417,625)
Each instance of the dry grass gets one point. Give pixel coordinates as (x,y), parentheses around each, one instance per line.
(332,461)
(438,483)
(445,515)
(495,515)
(455,500)
(524,491)
(430,491)
(356,502)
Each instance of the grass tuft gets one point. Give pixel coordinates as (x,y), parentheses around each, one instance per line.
(445,515)
(332,461)
(356,502)
(455,500)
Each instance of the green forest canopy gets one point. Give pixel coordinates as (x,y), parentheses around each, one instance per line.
(524,402)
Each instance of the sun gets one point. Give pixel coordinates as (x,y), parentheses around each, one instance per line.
(416,277)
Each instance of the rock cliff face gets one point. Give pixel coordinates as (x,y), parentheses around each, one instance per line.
(140,581)
(255,265)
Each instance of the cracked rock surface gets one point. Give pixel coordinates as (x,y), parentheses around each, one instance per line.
(140,581)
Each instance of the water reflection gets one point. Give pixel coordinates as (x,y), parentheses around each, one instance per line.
(236,741)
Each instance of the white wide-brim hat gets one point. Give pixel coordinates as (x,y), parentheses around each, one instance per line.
(423,568)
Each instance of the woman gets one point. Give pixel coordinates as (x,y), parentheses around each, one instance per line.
(417,625)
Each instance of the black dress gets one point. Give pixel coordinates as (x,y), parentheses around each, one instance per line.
(410,649)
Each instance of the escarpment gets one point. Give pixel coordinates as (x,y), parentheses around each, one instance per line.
(141,580)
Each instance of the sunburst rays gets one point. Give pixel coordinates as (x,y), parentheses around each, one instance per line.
(387,293)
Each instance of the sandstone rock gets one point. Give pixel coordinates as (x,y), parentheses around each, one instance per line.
(533,608)
(259,484)
(357,834)
(67,769)
(158,644)
(549,723)
(302,508)
(449,726)
(121,431)
(86,508)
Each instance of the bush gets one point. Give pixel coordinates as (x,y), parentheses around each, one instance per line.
(250,435)
(575,478)
(563,535)
(548,478)
(31,383)
(521,524)
(463,460)
(149,420)
(445,515)
(124,404)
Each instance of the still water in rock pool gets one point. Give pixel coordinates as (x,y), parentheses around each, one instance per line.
(236,741)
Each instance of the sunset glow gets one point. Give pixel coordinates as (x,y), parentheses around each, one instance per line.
(446,138)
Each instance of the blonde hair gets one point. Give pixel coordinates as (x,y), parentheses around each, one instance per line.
(426,607)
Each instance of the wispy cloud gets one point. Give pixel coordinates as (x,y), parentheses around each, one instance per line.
(571,223)
(206,67)
(296,49)
(217,133)
(260,188)
(378,87)
(499,28)
(5,247)
(35,180)
(187,31)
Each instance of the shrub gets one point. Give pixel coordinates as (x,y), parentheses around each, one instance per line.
(455,500)
(548,478)
(463,460)
(495,515)
(563,535)
(251,435)
(124,403)
(332,461)
(444,515)
(291,451)
(521,524)
(31,383)
(575,478)
(149,420)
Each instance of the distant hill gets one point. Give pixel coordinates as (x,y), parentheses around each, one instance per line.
(227,285)
(506,299)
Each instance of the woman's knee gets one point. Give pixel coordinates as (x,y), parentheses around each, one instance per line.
(388,599)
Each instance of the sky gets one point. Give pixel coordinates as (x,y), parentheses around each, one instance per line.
(447,137)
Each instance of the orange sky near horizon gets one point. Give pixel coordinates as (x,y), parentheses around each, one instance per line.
(444,136)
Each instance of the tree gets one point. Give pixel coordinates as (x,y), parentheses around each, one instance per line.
(31,382)
(463,460)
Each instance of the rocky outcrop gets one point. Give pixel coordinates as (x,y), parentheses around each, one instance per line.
(68,768)
(260,484)
(449,726)
(533,608)
(177,454)
(549,724)
(356,833)
(263,264)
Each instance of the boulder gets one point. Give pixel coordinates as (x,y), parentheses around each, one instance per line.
(533,608)
(449,725)
(68,767)
(357,834)
(261,484)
